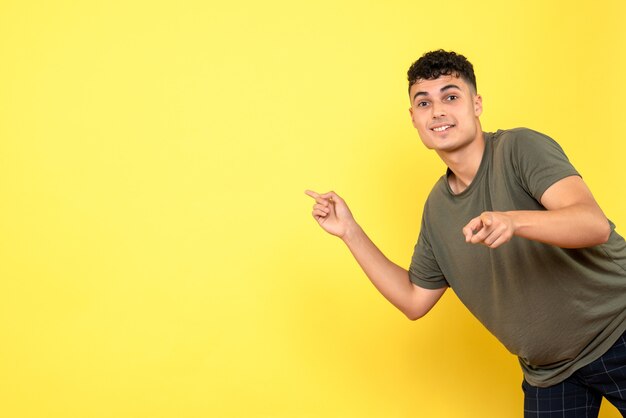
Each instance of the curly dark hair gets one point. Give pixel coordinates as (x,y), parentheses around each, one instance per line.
(434,64)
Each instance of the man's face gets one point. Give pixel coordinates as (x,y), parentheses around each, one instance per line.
(445,113)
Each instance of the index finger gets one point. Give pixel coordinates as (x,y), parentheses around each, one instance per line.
(318,198)
(311,193)
(471,228)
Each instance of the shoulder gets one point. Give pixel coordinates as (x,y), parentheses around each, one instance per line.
(516,136)
(523,141)
(532,158)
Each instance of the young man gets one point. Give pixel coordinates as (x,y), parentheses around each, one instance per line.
(515,232)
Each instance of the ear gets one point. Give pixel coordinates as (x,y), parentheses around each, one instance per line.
(412,118)
(478,105)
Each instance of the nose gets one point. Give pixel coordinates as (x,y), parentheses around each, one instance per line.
(438,110)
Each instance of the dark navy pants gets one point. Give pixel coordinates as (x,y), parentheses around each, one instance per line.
(580,394)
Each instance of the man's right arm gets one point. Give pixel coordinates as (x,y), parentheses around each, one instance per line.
(391,280)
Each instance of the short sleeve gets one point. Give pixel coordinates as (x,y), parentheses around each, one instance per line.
(424,270)
(539,161)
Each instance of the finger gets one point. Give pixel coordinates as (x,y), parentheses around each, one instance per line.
(481,236)
(311,193)
(487,218)
(318,214)
(467,232)
(498,242)
(471,228)
(467,229)
(504,236)
(323,208)
(491,238)
(332,196)
(318,198)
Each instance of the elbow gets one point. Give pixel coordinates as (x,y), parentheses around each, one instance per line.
(605,232)
(600,234)
(414,317)
(414,314)
(595,231)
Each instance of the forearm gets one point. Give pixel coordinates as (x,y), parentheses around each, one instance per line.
(576,226)
(572,219)
(391,280)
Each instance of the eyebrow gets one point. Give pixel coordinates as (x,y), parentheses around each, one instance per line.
(441,90)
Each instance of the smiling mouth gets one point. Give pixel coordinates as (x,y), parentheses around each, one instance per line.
(442,128)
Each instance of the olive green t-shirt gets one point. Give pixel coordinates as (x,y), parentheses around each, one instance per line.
(556,309)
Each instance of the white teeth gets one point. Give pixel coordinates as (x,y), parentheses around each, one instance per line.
(441,128)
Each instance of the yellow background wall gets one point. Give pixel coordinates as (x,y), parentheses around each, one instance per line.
(157,254)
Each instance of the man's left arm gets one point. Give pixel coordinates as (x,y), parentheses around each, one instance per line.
(573,219)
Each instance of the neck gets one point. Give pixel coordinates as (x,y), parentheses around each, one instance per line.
(464,163)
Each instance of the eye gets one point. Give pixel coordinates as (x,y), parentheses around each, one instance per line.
(421,104)
(451,97)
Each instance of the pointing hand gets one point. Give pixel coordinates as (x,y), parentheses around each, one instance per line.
(491,229)
(331,213)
